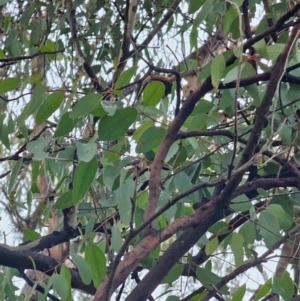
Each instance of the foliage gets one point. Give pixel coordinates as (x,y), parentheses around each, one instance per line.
(139,139)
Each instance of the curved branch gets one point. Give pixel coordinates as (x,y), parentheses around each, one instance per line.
(35,261)
(55,238)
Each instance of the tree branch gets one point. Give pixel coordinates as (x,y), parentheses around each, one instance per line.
(35,261)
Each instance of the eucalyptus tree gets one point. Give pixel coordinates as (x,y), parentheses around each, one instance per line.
(149,149)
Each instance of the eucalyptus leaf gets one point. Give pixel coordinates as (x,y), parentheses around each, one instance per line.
(150,139)
(49,106)
(84,269)
(112,127)
(83,178)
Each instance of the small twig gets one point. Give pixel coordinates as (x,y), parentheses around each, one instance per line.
(253,263)
(28,57)
(5,174)
(118,298)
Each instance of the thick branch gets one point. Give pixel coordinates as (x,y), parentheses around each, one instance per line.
(170,257)
(30,260)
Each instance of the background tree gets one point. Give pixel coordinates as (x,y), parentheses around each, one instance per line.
(149,148)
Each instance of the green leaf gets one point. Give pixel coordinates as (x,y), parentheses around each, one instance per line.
(269,228)
(150,139)
(65,200)
(174,274)
(198,123)
(238,2)
(207,278)
(109,176)
(66,156)
(205,9)
(86,151)
(194,40)
(30,235)
(36,32)
(14,174)
(228,19)
(50,105)
(65,125)
(124,196)
(141,129)
(83,178)
(84,269)
(286,134)
(248,231)
(284,219)
(61,285)
(116,238)
(247,70)
(26,15)
(153,93)
(211,246)
(236,244)
(65,272)
(239,293)
(194,5)
(173,298)
(182,182)
(85,105)
(9,84)
(125,77)
(240,204)
(112,127)
(97,262)
(37,99)
(204,106)
(287,285)
(274,51)
(261,48)
(283,286)
(264,290)
(218,66)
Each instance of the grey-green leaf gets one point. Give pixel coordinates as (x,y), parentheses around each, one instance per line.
(84,269)
(116,238)
(61,285)
(86,151)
